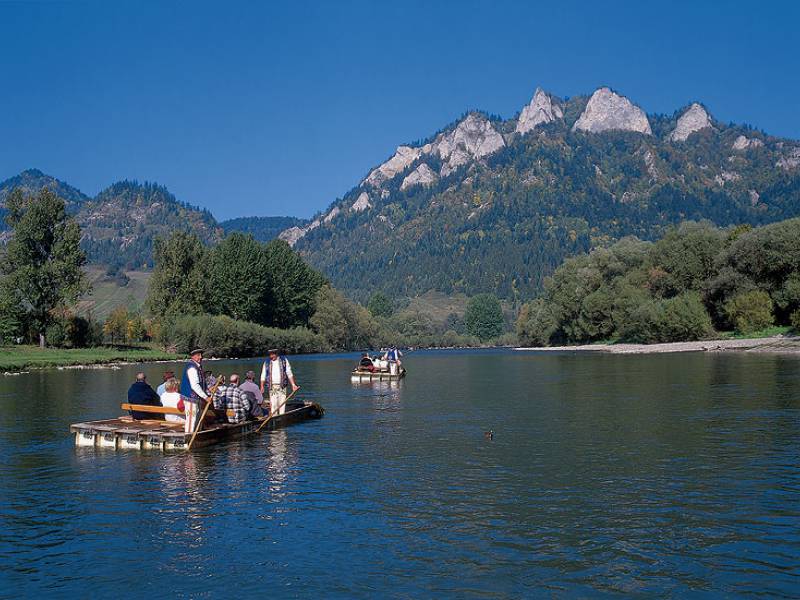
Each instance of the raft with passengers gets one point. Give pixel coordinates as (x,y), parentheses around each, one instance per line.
(386,367)
(201,410)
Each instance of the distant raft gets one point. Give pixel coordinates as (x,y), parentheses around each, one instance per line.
(125,433)
(360,374)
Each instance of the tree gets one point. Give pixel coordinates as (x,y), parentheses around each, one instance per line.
(536,324)
(750,312)
(11,315)
(380,305)
(292,284)
(116,325)
(484,317)
(240,279)
(43,260)
(343,324)
(180,281)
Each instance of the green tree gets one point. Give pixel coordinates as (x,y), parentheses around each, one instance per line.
(536,324)
(116,325)
(240,279)
(180,281)
(750,312)
(342,324)
(292,284)
(484,317)
(43,260)
(12,315)
(380,305)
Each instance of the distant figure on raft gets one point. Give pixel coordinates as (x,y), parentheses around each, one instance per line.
(140,392)
(366,364)
(276,376)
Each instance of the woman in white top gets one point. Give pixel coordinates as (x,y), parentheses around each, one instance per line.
(171,398)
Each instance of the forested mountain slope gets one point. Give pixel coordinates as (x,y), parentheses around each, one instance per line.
(488,205)
(119,225)
(263,229)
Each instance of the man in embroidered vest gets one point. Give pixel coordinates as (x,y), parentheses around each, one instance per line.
(276,375)
(193,387)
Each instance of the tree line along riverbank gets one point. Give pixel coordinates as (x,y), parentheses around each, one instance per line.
(235,299)
(694,283)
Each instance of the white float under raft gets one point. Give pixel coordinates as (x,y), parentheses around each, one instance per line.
(359,374)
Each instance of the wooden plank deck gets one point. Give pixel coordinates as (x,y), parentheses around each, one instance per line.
(151,434)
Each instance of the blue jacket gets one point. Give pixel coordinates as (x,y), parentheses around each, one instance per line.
(141,393)
(186,387)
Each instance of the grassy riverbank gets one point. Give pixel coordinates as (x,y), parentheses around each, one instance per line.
(23,358)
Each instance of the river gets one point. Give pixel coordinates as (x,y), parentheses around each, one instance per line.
(664,475)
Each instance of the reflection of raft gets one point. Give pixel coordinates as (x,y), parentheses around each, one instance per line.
(359,374)
(153,434)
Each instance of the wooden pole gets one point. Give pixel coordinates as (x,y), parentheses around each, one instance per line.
(273,413)
(209,402)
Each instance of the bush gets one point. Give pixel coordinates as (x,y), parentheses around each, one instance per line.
(536,324)
(794,320)
(682,318)
(750,312)
(222,336)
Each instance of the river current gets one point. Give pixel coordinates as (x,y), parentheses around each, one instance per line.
(661,475)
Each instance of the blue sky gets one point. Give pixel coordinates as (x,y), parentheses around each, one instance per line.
(254,108)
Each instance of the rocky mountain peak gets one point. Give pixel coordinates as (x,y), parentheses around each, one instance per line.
(694,119)
(608,111)
(400,161)
(474,137)
(422,175)
(541,110)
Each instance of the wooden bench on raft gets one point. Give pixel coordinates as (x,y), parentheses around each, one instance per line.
(158,410)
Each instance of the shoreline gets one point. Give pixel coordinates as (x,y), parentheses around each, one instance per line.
(774,345)
(17,360)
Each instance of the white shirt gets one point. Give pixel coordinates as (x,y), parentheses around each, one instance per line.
(171,399)
(275,370)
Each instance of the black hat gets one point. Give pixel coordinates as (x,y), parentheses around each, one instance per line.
(196,351)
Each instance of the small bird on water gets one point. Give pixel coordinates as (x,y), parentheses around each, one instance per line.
(489,435)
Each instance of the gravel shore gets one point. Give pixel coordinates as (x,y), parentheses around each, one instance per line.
(778,344)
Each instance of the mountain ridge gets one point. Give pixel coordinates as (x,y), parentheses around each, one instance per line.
(562,169)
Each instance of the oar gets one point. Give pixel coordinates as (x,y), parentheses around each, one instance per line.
(209,402)
(272,413)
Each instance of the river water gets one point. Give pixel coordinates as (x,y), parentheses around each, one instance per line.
(663,475)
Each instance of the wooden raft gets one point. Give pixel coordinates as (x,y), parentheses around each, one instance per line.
(359,375)
(152,434)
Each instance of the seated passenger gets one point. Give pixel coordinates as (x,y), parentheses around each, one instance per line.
(250,388)
(140,392)
(171,398)
(366,363)
(230,398)
(163,387)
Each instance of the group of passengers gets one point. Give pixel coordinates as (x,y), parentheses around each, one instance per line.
(381,362)
(233,402)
